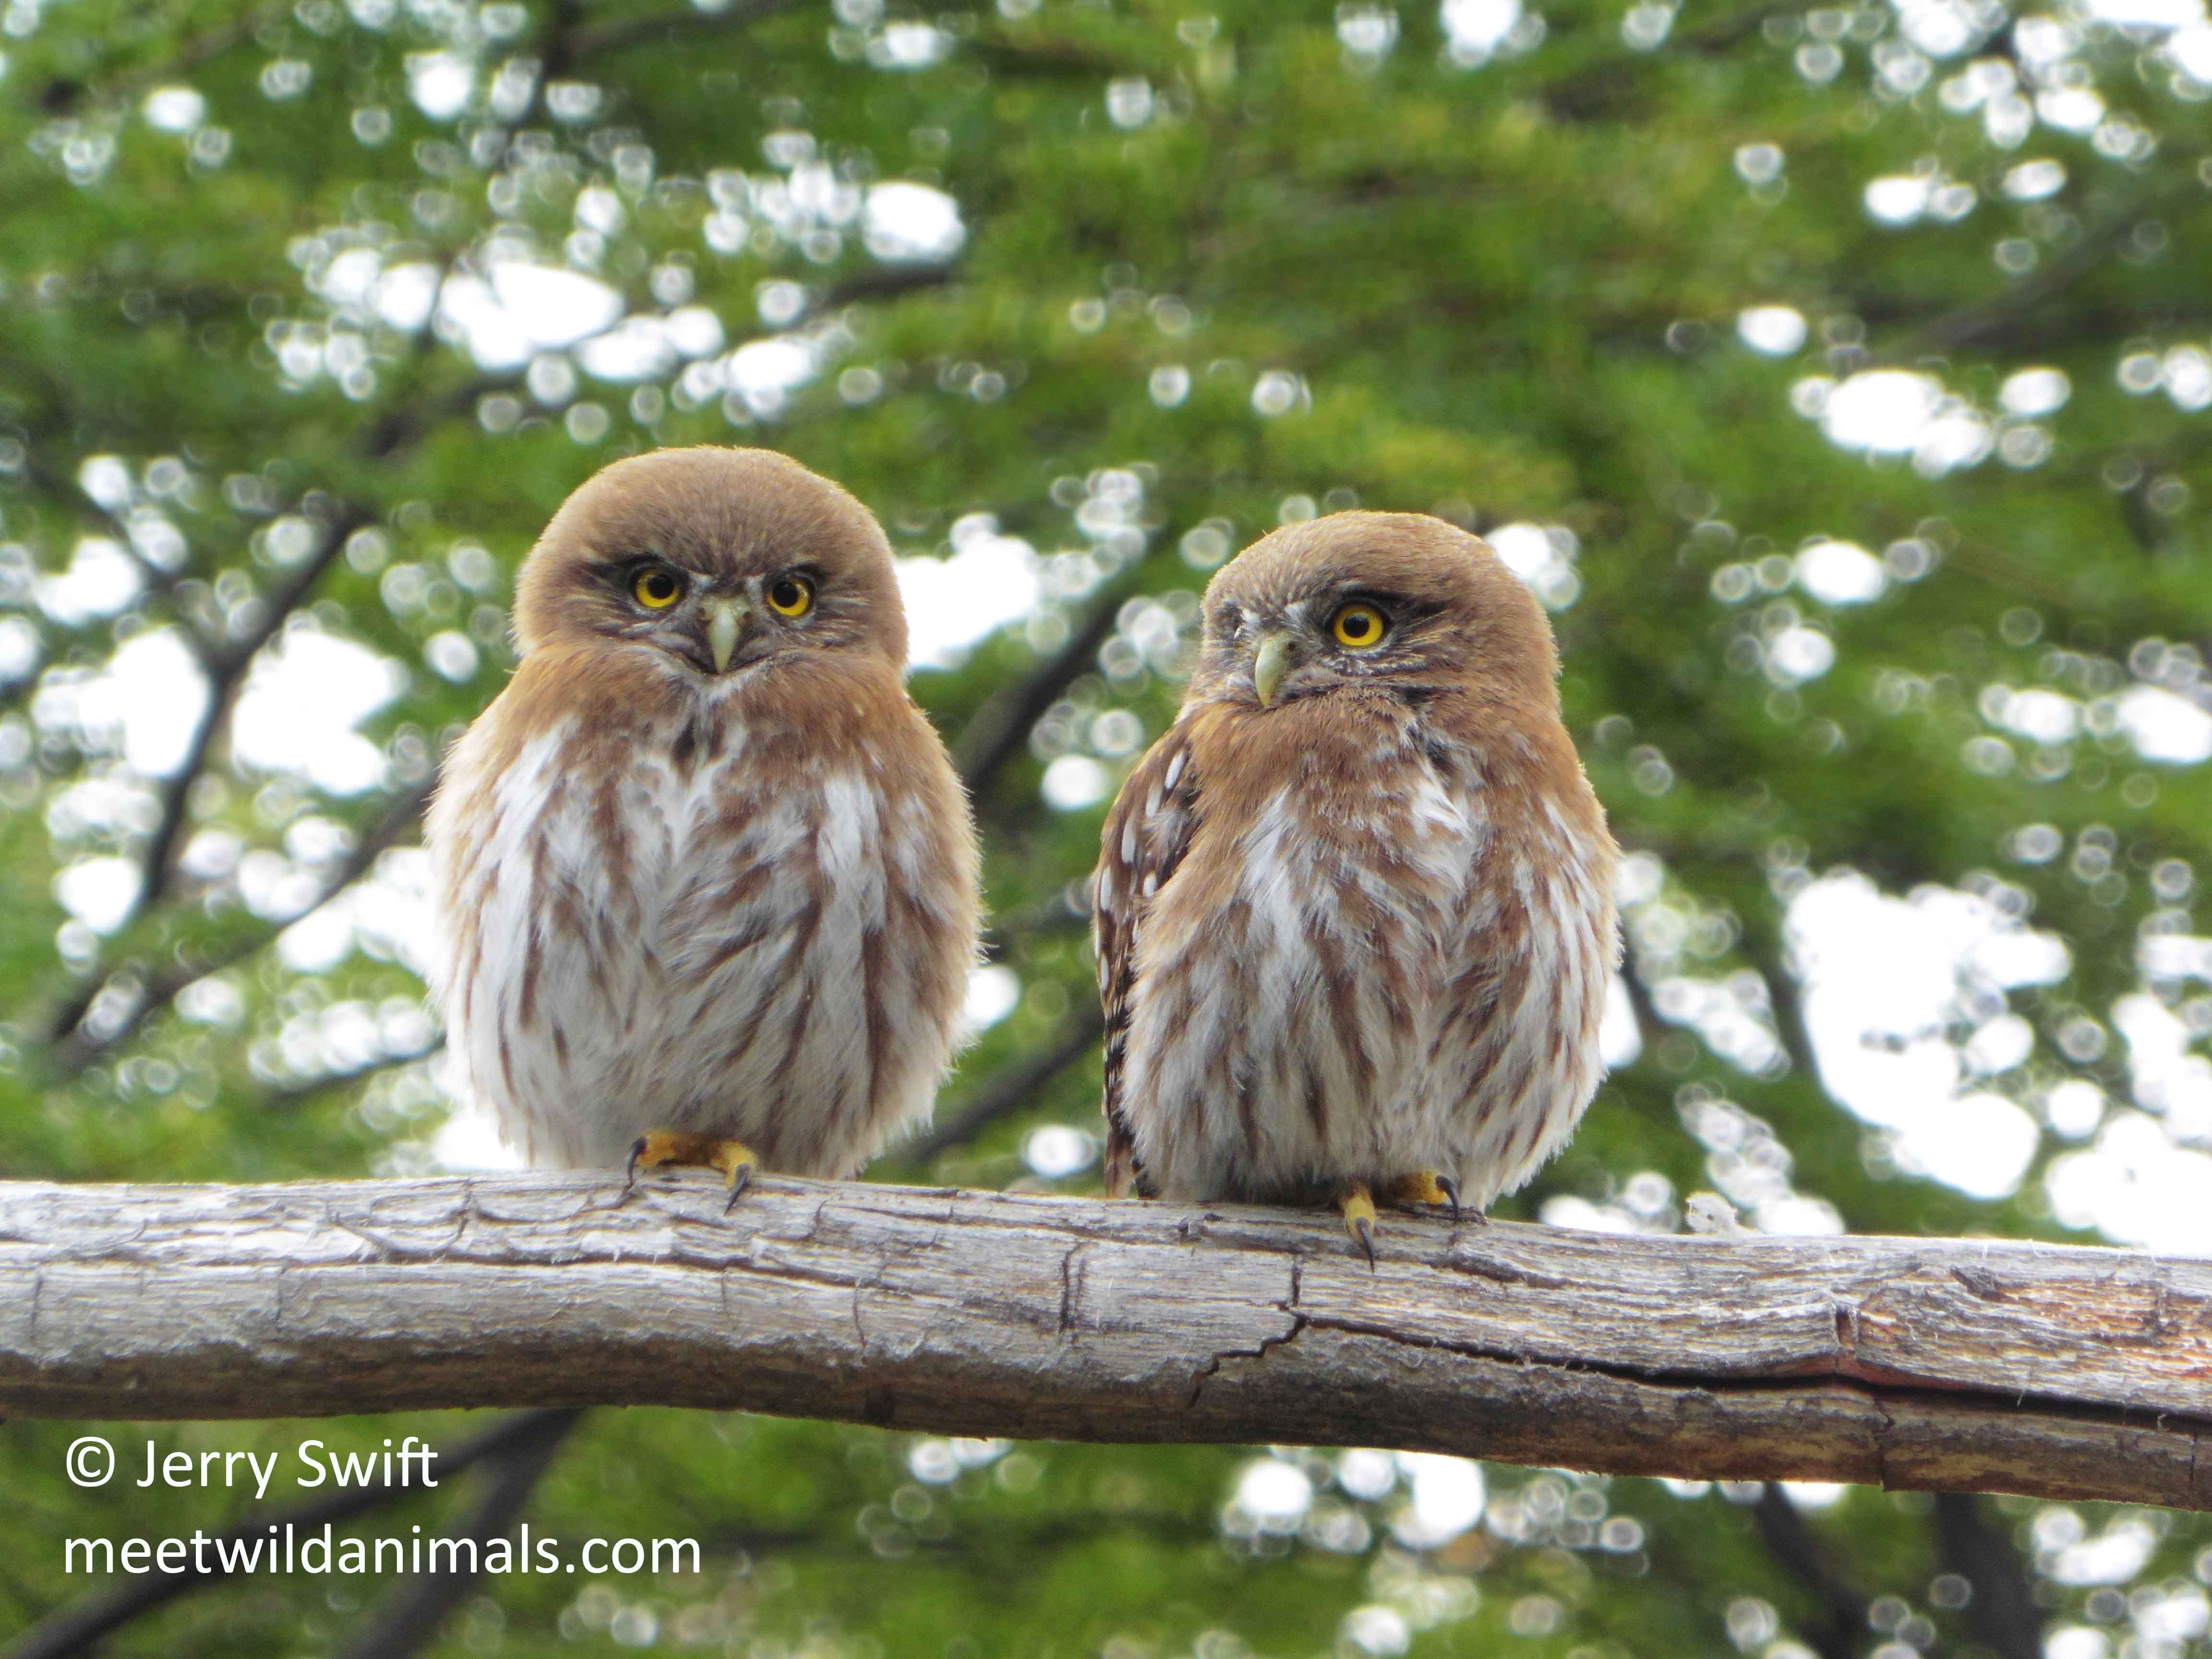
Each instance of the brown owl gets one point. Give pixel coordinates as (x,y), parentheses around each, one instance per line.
(1355,919)
(707,881)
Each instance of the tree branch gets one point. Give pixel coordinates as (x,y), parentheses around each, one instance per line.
(616,34)
(76,1629)
(1843,1626)
(1009,1088)
(412,1617)
(2002,1616)
(2009,306)
(996,731)
(80,1045)
(2050,1371)
(226,670)
(292,1094)
(1605,86)
(886,281)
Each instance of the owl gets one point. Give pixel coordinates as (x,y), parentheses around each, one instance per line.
(1354,911)
(707,881)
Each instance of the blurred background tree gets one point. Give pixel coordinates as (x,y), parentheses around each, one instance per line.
(1838,376)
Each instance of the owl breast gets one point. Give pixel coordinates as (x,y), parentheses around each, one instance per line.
(1369,981)
(680,936)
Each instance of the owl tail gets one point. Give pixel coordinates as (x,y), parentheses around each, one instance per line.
(1125,1176)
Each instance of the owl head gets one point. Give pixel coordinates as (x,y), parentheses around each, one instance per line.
(722,559)
(1397,601)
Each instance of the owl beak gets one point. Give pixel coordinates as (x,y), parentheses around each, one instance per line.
(725,619)
(1269,664)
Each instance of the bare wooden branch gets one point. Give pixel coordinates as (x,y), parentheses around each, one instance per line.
(2046,1369)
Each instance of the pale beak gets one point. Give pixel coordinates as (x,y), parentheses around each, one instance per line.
(725,619)
(1269,664)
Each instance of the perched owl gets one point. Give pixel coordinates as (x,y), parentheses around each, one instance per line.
(707,881)
(1355,919)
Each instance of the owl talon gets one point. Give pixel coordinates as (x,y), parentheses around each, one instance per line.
(734,1159)
(1426,1187)
(1359,1206)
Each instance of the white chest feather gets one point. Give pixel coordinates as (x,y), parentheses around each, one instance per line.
(1411,987)
(675,946)
(1283,1030)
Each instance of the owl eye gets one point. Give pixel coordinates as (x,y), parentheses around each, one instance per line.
(791,596)
(1359,626)
(656,589)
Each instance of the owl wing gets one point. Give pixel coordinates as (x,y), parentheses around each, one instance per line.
(1528,976)
(1146,835)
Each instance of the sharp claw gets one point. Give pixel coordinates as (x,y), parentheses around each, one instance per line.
(730,1158)
(1451,1191)
(1358,1205)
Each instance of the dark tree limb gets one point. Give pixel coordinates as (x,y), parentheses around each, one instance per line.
(75,1630)
(2005,309)
(1607,87)
(1011,1088)
(1840,1632)
(1928,1364)
(887,282)
(292,1094)
(226,669)
(411,1618)
(998,731)
(2002,1615)
(81,1046)
(588,41)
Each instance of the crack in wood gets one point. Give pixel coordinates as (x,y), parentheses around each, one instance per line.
(1267,1345)
(2056,1371)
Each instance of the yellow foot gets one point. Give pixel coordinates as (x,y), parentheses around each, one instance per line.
(1359,1206)
(1357,1200)
(1427,1187)
(736,1160)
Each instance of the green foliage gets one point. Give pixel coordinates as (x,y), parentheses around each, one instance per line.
(1215,269)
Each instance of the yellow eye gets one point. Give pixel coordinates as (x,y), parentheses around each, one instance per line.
(791,596)
(1359,626)
(656,589)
